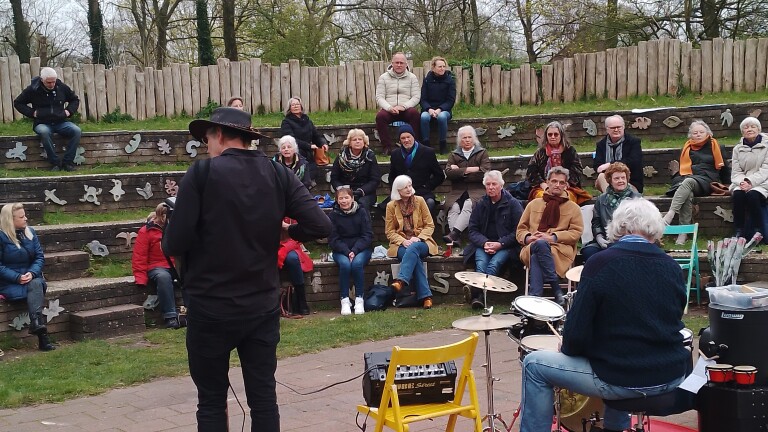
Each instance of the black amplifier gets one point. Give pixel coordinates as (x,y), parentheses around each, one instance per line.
(733,409)
(416,384)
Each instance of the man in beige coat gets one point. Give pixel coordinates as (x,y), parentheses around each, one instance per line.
(398,94)
(549,230)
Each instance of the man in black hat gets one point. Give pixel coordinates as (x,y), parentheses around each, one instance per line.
(227,225)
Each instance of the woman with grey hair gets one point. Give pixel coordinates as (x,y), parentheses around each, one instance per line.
(409,228)
(701,163)
(555,150)
(288,155)
(749,178)
(465,169)
(298,125)
(631,300)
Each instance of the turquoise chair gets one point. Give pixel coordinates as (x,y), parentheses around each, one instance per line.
(691,262)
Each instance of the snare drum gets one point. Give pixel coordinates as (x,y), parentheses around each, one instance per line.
(538,308)
(533,343)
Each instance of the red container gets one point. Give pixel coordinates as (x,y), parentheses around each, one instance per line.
(744,375)
(720,373)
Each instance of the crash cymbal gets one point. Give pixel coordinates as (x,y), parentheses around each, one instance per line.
(484,281)
(574,274)
(480,322)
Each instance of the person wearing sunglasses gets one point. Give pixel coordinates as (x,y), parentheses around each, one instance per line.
(555,150)
(618,146)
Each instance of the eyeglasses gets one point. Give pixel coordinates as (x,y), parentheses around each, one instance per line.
(615,127)
(558,182)
(553,134)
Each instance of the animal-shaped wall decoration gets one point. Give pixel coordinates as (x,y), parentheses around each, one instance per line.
(726,118)
(128,237)
(133,144)
(672,122)
(641,123)
(50,195)
(97,248)
(20,321)
(382,278)
(164,147)
(192,148)
(18,152)
(53,310)
(726,214)
(588,171)
(117,190)
(649,171)
(506,131)
(91,195)
(145,192)
(590,127)
(171,188)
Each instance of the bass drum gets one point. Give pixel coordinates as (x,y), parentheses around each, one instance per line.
(577,410)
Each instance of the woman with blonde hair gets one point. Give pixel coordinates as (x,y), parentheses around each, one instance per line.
(356,167)
(21,269)
(438,94)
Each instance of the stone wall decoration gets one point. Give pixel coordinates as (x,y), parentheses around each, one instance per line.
(317,281)
(385,178)
(673,167)
(164,147)
(18,152)
(756,113)
(649,171)
(590,126)
(376,135)
(382,278)
(441,219)
(726,118)
(481,131)
(506,131)
(672,122)
(442,279)
(192,148)
(520,173)
(171,188)
(588,171)
(53,310)
(117,190)
(50,195)
(20,321)
(79,158)
(97,248)
(133,144)
(91,195)
(567,125)
(145,192)
(641,123)
(128,237)
(726,214)
(332,138)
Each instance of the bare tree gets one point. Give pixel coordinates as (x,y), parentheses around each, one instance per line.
(21,33)
(96,33)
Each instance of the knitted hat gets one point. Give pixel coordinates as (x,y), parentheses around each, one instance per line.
(406,128)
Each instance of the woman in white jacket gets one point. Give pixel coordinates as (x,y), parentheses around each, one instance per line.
(749,178)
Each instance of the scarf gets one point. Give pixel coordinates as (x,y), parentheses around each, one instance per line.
(614,197)
(554,157)
(406,208)
(686,166)
(752,144)
(613,151)
(551,216)
(409,156)
(352,210)
(351,163)
(297,168)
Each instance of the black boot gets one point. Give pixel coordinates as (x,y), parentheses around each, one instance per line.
(443,147)
(43,343)
(37,324)
(453,237)
(300,300)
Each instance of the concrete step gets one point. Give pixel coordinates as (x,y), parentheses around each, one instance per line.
(107,322)
(66,265)
(117,236)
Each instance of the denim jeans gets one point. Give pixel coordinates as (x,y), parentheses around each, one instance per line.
(163,281)
(65,129)
(589,250)
(541,268)
(293,266)
(442,125)
(543,370)
(209,344)
(412,269)
(35,295)
(354,268)
(490,264)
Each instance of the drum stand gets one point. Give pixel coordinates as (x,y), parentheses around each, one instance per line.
(492,416)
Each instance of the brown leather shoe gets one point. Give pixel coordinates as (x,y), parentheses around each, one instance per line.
(397,285)
(428,303)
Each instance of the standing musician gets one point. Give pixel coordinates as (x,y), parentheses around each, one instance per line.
(622,335)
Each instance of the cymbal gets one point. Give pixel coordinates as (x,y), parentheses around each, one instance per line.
(574,274)
(480,322)
(484,281)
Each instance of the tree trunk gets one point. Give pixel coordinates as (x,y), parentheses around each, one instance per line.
(96,33)
(612,19)
(204,43)
(228,29)
(21,33)
(710,17)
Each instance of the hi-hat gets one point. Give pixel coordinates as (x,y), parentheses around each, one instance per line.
(484,281)
(480,322)
(574,274)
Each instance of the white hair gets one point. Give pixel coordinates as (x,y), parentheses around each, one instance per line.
(559,170)
(699,123)
(751,121)
(615,116)
(48,72)
(292,100)
(636,216)
(493,175)
(473,132)
(400,182)
(290,140)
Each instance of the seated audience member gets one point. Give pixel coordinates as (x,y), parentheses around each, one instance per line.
(749,178)
(420,164)
(618,190)
(617,146)
(21,269)
(438,94)
(549,230)
(492,229)
(296,262)
(351,240)
(397,94)
(298,125)
(288,155)
(622,336)
(356,167)
(236,102)
(701,163)
(465,169)
(150,264)
(409,228)
(556,151)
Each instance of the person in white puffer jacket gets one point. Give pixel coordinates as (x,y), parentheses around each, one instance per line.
(398,94)
(749,178)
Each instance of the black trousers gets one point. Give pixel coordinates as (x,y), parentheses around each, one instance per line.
(748,205)
(209,344)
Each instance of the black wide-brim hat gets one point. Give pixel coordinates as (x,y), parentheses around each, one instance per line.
(225,117)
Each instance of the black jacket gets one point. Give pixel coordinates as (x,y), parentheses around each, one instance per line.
(350,232)
(631,156)
(438,92)
(508,213)
(229,232)
(305,133)
(49,104)
(425,172)
(365,178)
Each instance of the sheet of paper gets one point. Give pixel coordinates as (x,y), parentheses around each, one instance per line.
(698,378)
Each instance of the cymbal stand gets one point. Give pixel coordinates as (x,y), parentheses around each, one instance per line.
(492,416)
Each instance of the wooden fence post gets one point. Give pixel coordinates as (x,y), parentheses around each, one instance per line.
(359,71)
(256,81)
(662,66)
(274,96)
(707,67)
(632,71)
(109,76)
(5,90)
(568,84)
(141,97)
(610,72)
(478,84)
(14,69)
(547,75)
(653,70)
(557,81)
(149,91)
(525,82)
(314,85)
(600,75)
(750,64)
(214,85)
(642,68)
(323,101)
(591,71)
(685,64)
(516,87)
(495,84)
(580,64)
(621,72)
(717,65)
(696,71)
(121,101)
(265,71)
(186,90)
(99,79)
(738,65)
(225,89)
(295,72)
(674,67)
(762,63)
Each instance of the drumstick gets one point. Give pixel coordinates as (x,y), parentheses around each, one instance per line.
(554,331)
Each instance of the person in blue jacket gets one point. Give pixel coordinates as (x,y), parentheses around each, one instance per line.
(21,269)
(438,94)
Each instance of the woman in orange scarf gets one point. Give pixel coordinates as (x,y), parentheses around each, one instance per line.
(701,163)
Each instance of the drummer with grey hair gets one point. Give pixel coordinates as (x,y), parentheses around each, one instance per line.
(622,335)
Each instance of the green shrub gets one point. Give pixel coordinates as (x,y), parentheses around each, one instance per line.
(207,110)
(116,117)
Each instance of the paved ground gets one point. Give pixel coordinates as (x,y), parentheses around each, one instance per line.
(169,404)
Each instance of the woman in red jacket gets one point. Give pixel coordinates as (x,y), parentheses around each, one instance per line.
(150,264)
(296,262)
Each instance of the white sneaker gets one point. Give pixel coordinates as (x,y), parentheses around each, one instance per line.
(346,306)
(359,306)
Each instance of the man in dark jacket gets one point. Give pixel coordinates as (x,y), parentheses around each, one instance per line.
(492,229)
(617,146)
(227,226)
(52,103)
